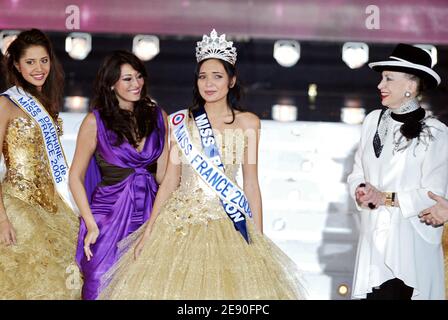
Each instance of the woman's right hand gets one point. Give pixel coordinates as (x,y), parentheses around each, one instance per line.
(90,238)
(360,193)
(7,233)
(368,196)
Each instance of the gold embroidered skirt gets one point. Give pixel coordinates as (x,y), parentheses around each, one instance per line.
(41,265)
(208,260)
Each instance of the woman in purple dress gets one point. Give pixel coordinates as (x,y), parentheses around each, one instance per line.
(120,160)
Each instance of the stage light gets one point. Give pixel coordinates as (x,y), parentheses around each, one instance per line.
(432,50)
(312,90)
(353,115)
(312,94)
(76,104)
(78,45)
(6,37)
(343,289)
(284,112)
(145,47)
(352,112)
(355,54)
(286,52)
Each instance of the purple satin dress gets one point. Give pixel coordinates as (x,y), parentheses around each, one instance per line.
(121,208)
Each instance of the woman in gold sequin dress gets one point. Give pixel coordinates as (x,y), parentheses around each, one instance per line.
(190,249)
(37,230)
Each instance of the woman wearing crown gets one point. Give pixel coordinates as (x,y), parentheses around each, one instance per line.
(403,153)
(201,242)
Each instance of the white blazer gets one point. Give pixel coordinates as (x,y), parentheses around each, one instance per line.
(393,242)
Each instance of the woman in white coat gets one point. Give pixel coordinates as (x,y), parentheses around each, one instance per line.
(403,153)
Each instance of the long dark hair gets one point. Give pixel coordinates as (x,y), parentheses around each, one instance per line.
(233,96)
(53,89)
(130,125)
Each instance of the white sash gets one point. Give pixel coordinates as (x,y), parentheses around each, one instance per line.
(232,196)
(54,153)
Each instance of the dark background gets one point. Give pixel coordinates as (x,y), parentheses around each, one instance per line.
(266,82)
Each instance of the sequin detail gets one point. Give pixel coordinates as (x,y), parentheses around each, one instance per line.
(28,177)
(193,192)
(41,265)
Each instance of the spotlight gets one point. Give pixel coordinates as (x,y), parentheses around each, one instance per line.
(286,52)
(284,112)
(343,289)
(145,47)
(432,50)
(78,45)
(6,37)
(312,90)
(312,93)
(353,113)
(76,104)
(355,54)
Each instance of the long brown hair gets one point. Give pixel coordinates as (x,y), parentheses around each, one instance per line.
(53,89)
(132,126)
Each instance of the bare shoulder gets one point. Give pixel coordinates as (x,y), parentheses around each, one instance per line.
(164,114)
(4,101)
(6,106)
(247,120)
(89,122)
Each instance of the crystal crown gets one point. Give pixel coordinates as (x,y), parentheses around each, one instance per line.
(215,47)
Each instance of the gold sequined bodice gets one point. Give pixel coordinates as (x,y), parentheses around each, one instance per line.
(28,177)
(194,201)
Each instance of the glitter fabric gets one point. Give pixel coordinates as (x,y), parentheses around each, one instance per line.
(41,264)
(194,251)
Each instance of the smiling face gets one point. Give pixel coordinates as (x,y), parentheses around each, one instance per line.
(213,81)
(393,87)
(129,86)
(34,65)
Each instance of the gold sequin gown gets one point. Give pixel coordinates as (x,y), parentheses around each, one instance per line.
(41,265)
(194,251)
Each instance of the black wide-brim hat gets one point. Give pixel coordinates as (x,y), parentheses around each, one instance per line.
(412,60)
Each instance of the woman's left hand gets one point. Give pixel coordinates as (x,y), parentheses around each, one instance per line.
(437,214)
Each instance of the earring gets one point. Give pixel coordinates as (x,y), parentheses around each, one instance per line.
(407,94)
(112,88)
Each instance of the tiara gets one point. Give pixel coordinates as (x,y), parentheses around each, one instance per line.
(215,47)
